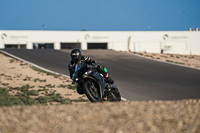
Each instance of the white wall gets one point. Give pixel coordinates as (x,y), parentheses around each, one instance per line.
(150,41)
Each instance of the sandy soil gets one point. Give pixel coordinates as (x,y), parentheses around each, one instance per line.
(16,74)
(180,116)
(187,60)
(124,117)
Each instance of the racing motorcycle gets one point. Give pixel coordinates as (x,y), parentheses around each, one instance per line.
(92,83)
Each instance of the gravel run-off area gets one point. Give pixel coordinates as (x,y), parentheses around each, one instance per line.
(125,117)
(180,116)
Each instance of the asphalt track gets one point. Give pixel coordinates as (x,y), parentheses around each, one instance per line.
(137,78)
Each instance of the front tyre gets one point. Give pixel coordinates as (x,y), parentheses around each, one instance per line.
(91,91)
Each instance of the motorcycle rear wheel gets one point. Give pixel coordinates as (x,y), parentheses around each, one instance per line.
(114,95)
(91,91)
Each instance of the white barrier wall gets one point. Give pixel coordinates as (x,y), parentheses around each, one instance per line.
(183,42)
(1,45)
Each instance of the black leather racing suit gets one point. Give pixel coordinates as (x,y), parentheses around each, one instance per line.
(100,68)
(71,64)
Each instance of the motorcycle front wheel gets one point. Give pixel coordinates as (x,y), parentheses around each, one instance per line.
(91,91)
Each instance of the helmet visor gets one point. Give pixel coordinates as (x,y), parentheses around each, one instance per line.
(75,56)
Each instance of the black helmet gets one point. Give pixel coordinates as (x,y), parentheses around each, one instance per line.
(76,55)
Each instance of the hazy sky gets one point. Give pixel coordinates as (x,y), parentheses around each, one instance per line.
(131,15)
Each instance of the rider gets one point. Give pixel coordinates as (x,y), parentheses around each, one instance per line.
(77,56)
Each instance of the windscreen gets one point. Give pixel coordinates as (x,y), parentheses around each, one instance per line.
(80,68)
(79,65)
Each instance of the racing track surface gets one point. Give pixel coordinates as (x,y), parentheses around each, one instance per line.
(137,78)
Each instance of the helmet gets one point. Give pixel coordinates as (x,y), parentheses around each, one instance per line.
(76,55)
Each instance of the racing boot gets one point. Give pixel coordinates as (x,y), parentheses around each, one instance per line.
(109,79)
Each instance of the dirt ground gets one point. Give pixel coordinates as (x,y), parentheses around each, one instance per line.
(15,73)
(181,116)
(187,60)
(125,117)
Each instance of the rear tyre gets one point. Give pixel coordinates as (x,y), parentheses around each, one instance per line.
(91,91)
(114,95)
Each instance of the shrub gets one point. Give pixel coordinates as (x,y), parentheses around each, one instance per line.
(23,64)
(169,61)
(43,99)
(26,99)
(180,63)
(32,86)
(12,60)
(5,84)
(41,86)
(35,80)
(27,78)
(63,86)
(56,98)
(25,88)
(73,87)
(50,94)
(32,92)
(8,100)
(50,86)
(66,101)
(43,89)
(81,100)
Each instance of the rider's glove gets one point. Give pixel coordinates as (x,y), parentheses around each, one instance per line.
(87,58)
(94,61)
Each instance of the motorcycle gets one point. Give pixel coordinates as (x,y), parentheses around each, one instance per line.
(93,84)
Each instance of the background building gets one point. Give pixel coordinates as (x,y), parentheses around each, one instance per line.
(178,42)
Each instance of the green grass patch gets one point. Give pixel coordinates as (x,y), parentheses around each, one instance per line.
(43,89)
(63,86)
(37,79)
(12,60)
(81,100)
(164,56)
(149,56)
(180,63)
(5,84)
(23,96)
(23,64)
(27,78)
(9,100)
(32,92)
(7,76)
(73,87)
(50,86)
(169,61)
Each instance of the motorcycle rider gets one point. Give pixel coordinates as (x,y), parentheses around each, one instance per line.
(77,56)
